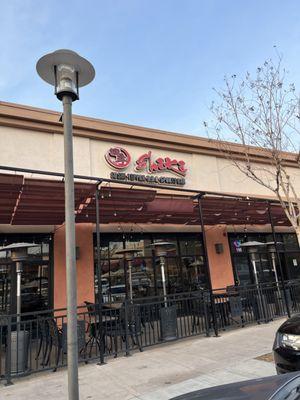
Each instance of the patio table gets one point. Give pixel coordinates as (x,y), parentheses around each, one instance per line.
(98,332)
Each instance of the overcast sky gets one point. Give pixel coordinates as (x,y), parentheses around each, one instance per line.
(156,61)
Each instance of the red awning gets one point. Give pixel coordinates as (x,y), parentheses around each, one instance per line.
(171,206)
(28,201)
(10,188)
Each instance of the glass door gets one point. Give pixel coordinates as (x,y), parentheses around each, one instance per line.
(292,265)
(35,286)
(265,268)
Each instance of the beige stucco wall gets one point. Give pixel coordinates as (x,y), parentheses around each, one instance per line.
(220,265)
(44,151)
(84,266)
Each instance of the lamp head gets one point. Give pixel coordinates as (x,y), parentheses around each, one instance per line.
(66,71)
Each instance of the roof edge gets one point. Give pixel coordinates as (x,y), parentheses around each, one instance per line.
(11,114)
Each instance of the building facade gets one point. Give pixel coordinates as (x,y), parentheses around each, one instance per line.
(175,166)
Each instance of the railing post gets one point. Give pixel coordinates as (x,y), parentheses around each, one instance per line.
(126,302)
(279,262)
(212,300)
(261,303)
(99,278)
(8,353)
(206,299)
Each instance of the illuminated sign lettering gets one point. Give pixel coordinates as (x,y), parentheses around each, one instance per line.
(119,158)
(145,162)
(151,179)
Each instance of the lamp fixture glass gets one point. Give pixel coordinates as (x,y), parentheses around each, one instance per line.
(66,71)
(66,78)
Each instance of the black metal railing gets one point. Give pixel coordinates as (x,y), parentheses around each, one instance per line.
(38,341)
(241,305)
(175,317)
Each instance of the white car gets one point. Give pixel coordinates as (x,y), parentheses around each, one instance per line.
(116,293)
(104,284)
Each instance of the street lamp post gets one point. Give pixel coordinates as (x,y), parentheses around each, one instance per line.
(67,72)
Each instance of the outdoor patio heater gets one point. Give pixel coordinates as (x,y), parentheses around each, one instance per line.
(67,72)
(252,248)
(196,265)
(168,314)
(19,338)
(161,251)
(129,255)
(19,254)
(272,250)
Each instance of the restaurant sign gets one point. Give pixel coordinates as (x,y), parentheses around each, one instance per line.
(120,159)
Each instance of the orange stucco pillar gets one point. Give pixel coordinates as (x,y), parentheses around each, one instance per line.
(220,265)
(84,264)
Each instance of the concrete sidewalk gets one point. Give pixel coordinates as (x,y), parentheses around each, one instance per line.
(163,371)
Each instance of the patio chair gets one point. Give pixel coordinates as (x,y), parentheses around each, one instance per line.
(198,305)
(116,329)
(55,339)
(135,326)
(43,333)
(235,305)
(92,309)
(93,328)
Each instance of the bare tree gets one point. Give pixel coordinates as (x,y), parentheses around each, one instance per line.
(261,113)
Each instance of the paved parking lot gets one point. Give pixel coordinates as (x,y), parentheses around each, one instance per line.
(163,371)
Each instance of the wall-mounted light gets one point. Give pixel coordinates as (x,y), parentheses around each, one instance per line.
(77,252)
(219,248)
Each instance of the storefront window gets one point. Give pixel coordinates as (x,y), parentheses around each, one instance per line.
(114,246)
(184,264)
(113,278)
(35,283)
(143,279)
(290,241)
(292,260)
(243,268)
(191,245)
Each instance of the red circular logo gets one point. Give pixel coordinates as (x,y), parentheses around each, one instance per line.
(118,157)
